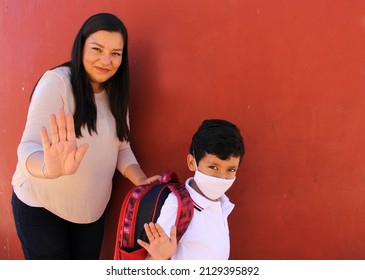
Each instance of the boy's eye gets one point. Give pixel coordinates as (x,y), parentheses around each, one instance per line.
(232,170)
(213,167)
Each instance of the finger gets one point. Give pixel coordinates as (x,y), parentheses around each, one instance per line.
(80,152)
(173,233)
(160,230)
(154,230)
(45,140)
(148,232)
(70,128)
(61,125)
(155,179)
(53,129)
(143,244)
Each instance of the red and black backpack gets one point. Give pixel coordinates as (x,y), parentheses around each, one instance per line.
(143,205)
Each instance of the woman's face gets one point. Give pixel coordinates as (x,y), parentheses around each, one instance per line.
(102,56)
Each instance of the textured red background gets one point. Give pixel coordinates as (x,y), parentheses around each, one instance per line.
(289,73)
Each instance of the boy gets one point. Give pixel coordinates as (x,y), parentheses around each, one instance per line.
(216,151)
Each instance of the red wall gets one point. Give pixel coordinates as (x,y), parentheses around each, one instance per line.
(289,73)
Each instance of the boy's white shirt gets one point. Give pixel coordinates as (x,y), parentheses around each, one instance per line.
(207,236)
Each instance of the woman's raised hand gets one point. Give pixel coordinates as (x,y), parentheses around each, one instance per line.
(61,154)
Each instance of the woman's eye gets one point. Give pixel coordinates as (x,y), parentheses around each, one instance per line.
(117,54)
(97,49)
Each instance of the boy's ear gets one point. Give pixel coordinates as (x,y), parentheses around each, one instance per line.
(191,162)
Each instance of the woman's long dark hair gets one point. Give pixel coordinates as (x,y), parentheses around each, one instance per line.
(117,87)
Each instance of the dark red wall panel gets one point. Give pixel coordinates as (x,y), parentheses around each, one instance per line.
(290,74)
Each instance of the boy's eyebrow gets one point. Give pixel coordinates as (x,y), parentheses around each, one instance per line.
(99,45)
(233,167)
(217,164)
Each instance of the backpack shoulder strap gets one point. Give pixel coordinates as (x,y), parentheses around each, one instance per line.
(125,229)
(185,209)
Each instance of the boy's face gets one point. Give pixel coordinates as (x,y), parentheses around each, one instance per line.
(213,166)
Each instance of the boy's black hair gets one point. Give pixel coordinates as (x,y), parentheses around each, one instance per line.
(217,137)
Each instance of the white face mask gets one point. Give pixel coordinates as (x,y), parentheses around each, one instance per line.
(212,187)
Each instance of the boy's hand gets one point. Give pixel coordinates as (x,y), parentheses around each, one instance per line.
(161,247)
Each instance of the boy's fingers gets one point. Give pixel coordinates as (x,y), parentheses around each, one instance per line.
(160,230)
(173,233)
(153,230)
(143,244)
(148,232)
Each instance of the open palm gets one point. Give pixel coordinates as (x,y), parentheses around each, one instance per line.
(61,154)
(161,247)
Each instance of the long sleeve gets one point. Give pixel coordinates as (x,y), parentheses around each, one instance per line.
(81,197)
(47,99)
(126,157)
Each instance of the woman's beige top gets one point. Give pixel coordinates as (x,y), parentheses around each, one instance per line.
(83,196)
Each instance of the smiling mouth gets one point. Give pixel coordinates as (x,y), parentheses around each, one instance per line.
(101,69)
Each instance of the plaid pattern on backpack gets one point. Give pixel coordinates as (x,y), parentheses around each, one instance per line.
(143,205)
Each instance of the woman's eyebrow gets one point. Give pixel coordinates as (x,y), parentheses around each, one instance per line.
(99,45)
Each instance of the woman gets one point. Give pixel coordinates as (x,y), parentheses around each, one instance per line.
(63,180)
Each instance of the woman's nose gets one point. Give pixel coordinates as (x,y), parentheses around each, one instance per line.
(105,59)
